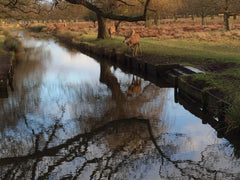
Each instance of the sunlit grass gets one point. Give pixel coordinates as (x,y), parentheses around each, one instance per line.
(191,49)
(158,48)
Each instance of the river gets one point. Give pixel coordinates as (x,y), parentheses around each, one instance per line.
(73,117)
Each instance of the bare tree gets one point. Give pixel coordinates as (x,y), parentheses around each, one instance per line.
(203,8)
(134,10)
(22,9)
(228,8)
(164,8)
(112,9)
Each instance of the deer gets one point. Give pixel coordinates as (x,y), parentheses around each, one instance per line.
(133,41)
(111,31)
(135,87)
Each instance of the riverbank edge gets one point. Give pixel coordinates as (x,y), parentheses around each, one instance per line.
(7,61)
(11,54)
(209,101)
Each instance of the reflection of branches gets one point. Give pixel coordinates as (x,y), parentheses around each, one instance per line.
(36,146)
(190,168)
(73,150)
(55,150)
(104,165)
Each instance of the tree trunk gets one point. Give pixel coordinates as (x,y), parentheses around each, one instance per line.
(102,28)
(117,25)
(175,17)
(157,21)
(226,20)
(108,78)
(148,23)
(203,20)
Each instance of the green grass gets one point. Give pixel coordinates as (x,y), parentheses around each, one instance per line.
(170,47)
(191,52)
(190,49)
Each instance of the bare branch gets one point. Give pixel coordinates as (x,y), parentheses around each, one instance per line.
(103,14)
(125,3)
(11,4)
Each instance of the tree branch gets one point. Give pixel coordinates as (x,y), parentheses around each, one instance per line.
(98,11)
(123,2)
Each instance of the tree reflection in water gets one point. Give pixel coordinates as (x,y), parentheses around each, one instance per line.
(27,79)
(96,131)
(120,149)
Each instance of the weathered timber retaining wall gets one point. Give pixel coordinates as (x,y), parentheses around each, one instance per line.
(210,102)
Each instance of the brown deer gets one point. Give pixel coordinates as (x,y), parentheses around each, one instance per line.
(133,41)
(135,87)
(111,31)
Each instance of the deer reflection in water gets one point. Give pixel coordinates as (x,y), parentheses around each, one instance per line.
(134,100)
(135,87)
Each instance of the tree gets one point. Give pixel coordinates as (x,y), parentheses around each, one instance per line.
(105,9)
(91,16)
(164,8)
(203,8)
(228,8)
(65,11)
(112,9)
(21,9)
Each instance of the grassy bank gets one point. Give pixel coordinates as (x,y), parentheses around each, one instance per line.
(8,41)
(220,60)
(190,51)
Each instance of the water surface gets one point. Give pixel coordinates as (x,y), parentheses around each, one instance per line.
(72,117)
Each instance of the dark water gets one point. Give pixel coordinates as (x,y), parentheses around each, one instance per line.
(71,117)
